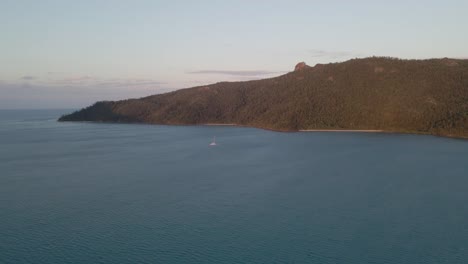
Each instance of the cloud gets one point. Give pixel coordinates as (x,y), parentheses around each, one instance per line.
(74,91)
(330,54)
(43,95)
(236,73)
(79,78)
(129,82)
(87,81)
(71,81)
(28,78)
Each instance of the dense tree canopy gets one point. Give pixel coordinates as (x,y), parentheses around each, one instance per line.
(415,96)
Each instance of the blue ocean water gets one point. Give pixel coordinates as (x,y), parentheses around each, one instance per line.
(121,193)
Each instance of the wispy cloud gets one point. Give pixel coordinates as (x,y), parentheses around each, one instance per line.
(28,78)
(317,53)
(236,73)
(129,82)
(73,80)
(42,94)
(88,81)
(55,72)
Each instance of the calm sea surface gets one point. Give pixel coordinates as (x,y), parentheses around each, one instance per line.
(119,193)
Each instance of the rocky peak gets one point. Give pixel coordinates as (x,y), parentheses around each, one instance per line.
(300,66)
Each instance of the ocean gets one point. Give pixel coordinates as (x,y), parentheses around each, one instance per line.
(131,193)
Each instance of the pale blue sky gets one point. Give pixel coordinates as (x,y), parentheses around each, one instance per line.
(71,53)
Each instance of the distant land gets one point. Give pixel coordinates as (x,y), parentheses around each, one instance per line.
(371,94)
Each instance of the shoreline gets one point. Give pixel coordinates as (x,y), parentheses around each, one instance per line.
(449,136)
(301,130)
(218,124)
(457,137)
(343,130)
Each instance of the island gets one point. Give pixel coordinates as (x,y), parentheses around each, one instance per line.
(369,94)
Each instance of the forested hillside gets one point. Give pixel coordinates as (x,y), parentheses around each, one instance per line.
(415,96)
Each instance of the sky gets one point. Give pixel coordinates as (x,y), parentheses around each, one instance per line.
(69,54)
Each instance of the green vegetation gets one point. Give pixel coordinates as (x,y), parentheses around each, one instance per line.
(411,96)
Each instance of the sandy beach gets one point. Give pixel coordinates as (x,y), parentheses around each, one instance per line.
(342,130)
(219,124)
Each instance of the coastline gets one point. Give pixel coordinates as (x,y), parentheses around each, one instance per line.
(218,124)
(450,136)
(343,130)
(301,130)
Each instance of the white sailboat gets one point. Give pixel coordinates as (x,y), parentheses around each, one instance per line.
(213,143)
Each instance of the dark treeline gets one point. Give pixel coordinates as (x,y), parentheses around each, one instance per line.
(414,96)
